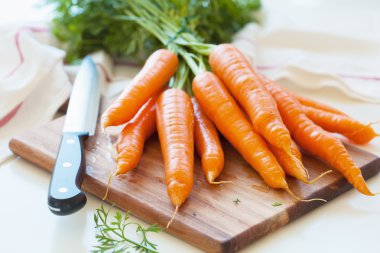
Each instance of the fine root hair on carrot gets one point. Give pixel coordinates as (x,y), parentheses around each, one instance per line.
(373,123)
(303,200)
(303,167)
(108,186)
(221,182)
(211,177)
(319,177)
(172,218)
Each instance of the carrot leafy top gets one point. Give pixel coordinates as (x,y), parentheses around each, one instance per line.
(85,26)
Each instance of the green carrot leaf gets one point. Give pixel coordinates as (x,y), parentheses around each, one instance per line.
(112,236)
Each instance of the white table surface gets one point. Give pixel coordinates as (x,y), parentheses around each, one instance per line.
(349,223)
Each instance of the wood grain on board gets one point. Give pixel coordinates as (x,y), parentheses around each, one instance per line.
(209,219)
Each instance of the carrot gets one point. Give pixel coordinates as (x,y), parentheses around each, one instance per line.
(175,125)
(207,144)
(221,108)
(232,67)
(342,124)
(314,139)
(130,143)
(318,105)
(157,71)
(292,164)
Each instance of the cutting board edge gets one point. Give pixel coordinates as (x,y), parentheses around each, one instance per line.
(27,155)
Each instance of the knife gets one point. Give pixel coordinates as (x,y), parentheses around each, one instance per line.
(65,196)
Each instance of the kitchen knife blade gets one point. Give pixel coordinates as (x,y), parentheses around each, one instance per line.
(65,196)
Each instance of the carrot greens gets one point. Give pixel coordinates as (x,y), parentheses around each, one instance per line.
(111,233)
(85,26)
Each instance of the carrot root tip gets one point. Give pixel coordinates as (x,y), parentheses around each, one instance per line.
(303,200)
(319,177)
(172,218)
(103,128)
(108,186)
(210,177)
(221,182)
(373,123)
(303,167)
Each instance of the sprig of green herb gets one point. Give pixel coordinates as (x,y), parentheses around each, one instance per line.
(112,237)
(237,201)
(276,203)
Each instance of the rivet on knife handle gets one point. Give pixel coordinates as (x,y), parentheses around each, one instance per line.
(65,196)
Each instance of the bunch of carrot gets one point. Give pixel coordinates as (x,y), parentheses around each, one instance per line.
(264,139)
(264,122)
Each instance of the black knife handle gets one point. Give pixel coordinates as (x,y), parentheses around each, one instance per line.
(65,196)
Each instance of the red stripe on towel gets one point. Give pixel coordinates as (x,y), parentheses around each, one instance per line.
(18,47)
(10,115)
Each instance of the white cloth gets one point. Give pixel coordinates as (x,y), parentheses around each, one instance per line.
(315,44)
(33,84)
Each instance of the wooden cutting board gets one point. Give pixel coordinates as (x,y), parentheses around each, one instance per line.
(209,219)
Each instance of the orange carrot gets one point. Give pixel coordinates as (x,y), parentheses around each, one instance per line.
(314,139)
(318,105)
(207,144)
(221,108)
(292,164)
(342,124)
(157,71)
(175,125)
(232,67)
(131,140)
